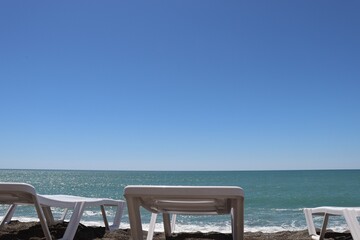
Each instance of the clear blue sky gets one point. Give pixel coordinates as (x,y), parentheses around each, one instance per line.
(180,85)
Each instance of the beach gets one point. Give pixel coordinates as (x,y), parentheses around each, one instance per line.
(32,230)
(274,200)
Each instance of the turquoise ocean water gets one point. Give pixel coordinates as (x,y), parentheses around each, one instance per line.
(273,199)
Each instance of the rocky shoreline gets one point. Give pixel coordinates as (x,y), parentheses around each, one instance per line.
(32,231)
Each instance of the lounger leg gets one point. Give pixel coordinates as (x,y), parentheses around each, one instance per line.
(74,221)
(353,223)
(237,216)
(324,226)
(8,215)
(117,218)
(135,218)
(118,215)
(310,222)
(48,215)
(42,219)
(173,222)
(62,218)
(103,212)
(151,226)
(167,225)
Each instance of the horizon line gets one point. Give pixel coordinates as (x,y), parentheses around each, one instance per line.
(197,170)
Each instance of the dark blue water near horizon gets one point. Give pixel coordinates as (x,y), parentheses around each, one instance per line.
(273,199)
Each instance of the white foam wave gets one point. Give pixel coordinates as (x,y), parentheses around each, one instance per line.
(191,228)
(91,213)
(286,209)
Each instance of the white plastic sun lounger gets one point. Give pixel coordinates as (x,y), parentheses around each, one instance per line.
(350,215)
(22,193)
(187,200)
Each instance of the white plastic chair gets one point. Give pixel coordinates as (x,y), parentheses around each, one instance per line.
(21,193)
(350,215)
(187,200)
(18,194)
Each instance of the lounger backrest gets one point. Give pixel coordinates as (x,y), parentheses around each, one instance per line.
(190,199)
(17,193)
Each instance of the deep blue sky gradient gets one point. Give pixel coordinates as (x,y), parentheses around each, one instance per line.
(180,85)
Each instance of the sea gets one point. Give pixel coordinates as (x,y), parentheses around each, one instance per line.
(274,200)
